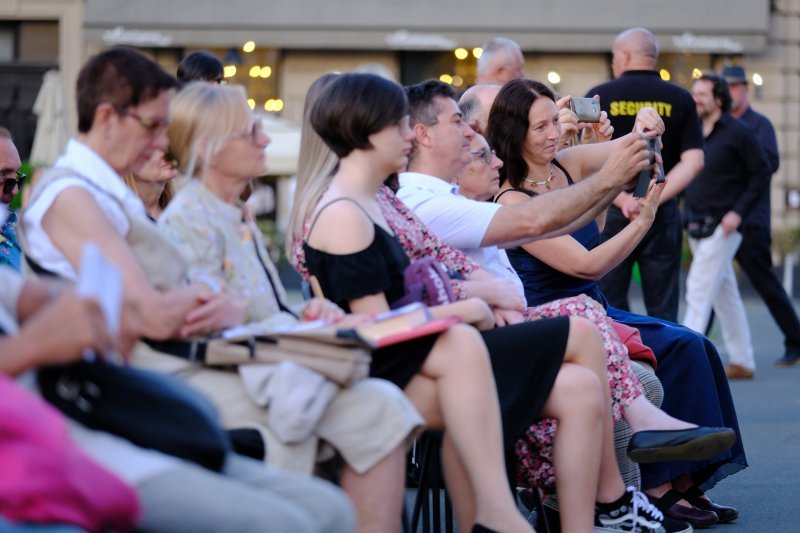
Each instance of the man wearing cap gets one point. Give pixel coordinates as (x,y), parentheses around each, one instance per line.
(10,185)
(638,84)
(754,255)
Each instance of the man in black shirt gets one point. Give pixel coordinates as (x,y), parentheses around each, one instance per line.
(637,85)
(754,255)
(717,202)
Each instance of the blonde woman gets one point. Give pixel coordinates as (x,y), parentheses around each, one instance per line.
(369,423)
(123,102)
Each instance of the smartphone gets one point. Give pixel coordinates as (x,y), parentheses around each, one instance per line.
(654,147)
(587,109)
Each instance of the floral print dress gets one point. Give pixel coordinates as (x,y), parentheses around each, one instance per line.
(534,449)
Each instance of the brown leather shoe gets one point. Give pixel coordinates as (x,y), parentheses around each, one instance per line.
(697,518)
(734,371)
(699,500)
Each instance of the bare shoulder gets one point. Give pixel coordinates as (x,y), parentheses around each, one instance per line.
(75,204)
(509,196)
(572,159)
(340,226)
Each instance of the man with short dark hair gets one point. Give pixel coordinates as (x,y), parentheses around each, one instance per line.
(500,62)
(754,254)
(11,180)
(717,201)
(441,148)
(638,84)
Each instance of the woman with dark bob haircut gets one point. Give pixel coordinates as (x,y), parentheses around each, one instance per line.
(522,127)
(344,128)
(359,264)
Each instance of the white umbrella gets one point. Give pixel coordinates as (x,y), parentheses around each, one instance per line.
(51,126)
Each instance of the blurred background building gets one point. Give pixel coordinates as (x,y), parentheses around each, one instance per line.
(277,48)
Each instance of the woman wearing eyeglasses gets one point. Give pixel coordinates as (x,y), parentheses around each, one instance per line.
(123,102)
(221,145)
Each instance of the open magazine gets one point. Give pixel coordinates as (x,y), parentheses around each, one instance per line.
(392,327)
(342,354)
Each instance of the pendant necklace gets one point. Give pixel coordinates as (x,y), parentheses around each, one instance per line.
(546,182)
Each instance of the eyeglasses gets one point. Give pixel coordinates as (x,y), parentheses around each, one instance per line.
(485,154)
(152,125)
(9,181)
(255,131)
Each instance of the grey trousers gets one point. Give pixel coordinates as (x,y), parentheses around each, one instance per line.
(246,497)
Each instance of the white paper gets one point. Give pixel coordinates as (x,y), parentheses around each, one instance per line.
(101,281)
(256,328)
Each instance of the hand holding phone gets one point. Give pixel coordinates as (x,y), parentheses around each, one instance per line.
(643,182)
(587,109)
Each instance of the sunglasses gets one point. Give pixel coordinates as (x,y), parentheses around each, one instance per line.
(10,182)
(485,154)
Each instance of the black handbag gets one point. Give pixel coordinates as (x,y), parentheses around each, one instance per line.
(151,410)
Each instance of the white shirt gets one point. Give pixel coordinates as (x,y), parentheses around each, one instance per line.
(458,221)
(12,282)
(105,185)
(495,261)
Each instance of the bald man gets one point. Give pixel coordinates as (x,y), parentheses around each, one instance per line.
(500,62)
(637,84)
(475,104)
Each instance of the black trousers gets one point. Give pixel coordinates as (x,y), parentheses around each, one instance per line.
(659,258)
(755,259)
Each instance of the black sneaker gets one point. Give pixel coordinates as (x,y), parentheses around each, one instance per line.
(634,514)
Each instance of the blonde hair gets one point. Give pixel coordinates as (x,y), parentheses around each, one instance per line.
(203,117)
(315,167)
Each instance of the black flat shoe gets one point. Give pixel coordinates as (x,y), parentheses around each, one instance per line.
(695,496)
(477,528)
(695,444)
(790,358)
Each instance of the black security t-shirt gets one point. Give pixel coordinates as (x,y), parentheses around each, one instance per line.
(624,97)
